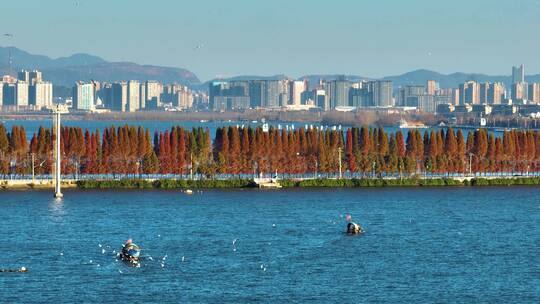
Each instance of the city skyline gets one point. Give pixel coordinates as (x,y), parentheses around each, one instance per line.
(280,37)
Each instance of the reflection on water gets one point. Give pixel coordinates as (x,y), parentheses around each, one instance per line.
(56,208)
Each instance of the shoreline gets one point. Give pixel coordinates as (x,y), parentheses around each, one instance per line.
(142,184)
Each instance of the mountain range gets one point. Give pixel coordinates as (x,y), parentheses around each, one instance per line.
(65,71)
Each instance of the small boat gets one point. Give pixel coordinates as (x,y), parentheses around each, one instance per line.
(403,124)
(354,228)
(130,252)
(189,191)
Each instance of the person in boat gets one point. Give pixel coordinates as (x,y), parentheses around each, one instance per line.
(130,252)
(354,228)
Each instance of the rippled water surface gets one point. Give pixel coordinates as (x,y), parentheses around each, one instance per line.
(423,245)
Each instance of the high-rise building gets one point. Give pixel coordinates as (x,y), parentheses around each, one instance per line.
(469,93)
(496,93)
(142,96)
(119,96)
(451,95)
(520,91)
(272,94)
(21,93)
(534,92)
(83,96)
(35,76)
(518,74)
(153,92)
(382,93)
(41,93)
(256,93)
(23,75)
(426,103)
(133,96)
(410,95)
(1,93)
(8,94)
(483,92)
(338,91)
(182,98)
(320,99)
(431,87)
(297,88)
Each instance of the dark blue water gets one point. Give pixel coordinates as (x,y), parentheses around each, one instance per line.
(424,245)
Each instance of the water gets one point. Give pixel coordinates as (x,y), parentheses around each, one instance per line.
(32,126)
(423,245)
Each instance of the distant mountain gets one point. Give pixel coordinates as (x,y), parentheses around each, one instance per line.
(420,77)
(65,71)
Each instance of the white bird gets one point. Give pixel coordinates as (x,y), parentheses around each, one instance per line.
(102,251)
(91,261)
(120,271)
(100,245)
(183,258)
(150,258)
(61,253)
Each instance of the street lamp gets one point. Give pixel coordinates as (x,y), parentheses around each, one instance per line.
(339,157)
(11,166)
(470,163)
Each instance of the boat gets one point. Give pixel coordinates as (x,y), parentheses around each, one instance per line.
(403,124)
(354,228)
(130,252)
(189,191)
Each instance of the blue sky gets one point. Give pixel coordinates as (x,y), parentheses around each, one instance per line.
(294,37)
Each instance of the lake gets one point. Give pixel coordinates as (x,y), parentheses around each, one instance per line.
(422,245)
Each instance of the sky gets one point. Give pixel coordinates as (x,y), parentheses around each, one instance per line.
(223,38)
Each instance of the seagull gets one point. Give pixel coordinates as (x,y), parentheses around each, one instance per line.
(183,258)
(102,251)
(199,46)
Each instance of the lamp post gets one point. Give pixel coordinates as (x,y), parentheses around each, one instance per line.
(57,111)
(340,168)
(470,164)
(33,168)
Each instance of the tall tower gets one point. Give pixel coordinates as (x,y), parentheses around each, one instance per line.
(57,111)
(518,74)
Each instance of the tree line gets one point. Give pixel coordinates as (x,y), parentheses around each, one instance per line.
(233,151)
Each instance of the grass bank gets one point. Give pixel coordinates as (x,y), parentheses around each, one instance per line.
(313,183)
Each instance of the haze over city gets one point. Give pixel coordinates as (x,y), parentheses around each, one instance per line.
(229,38)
